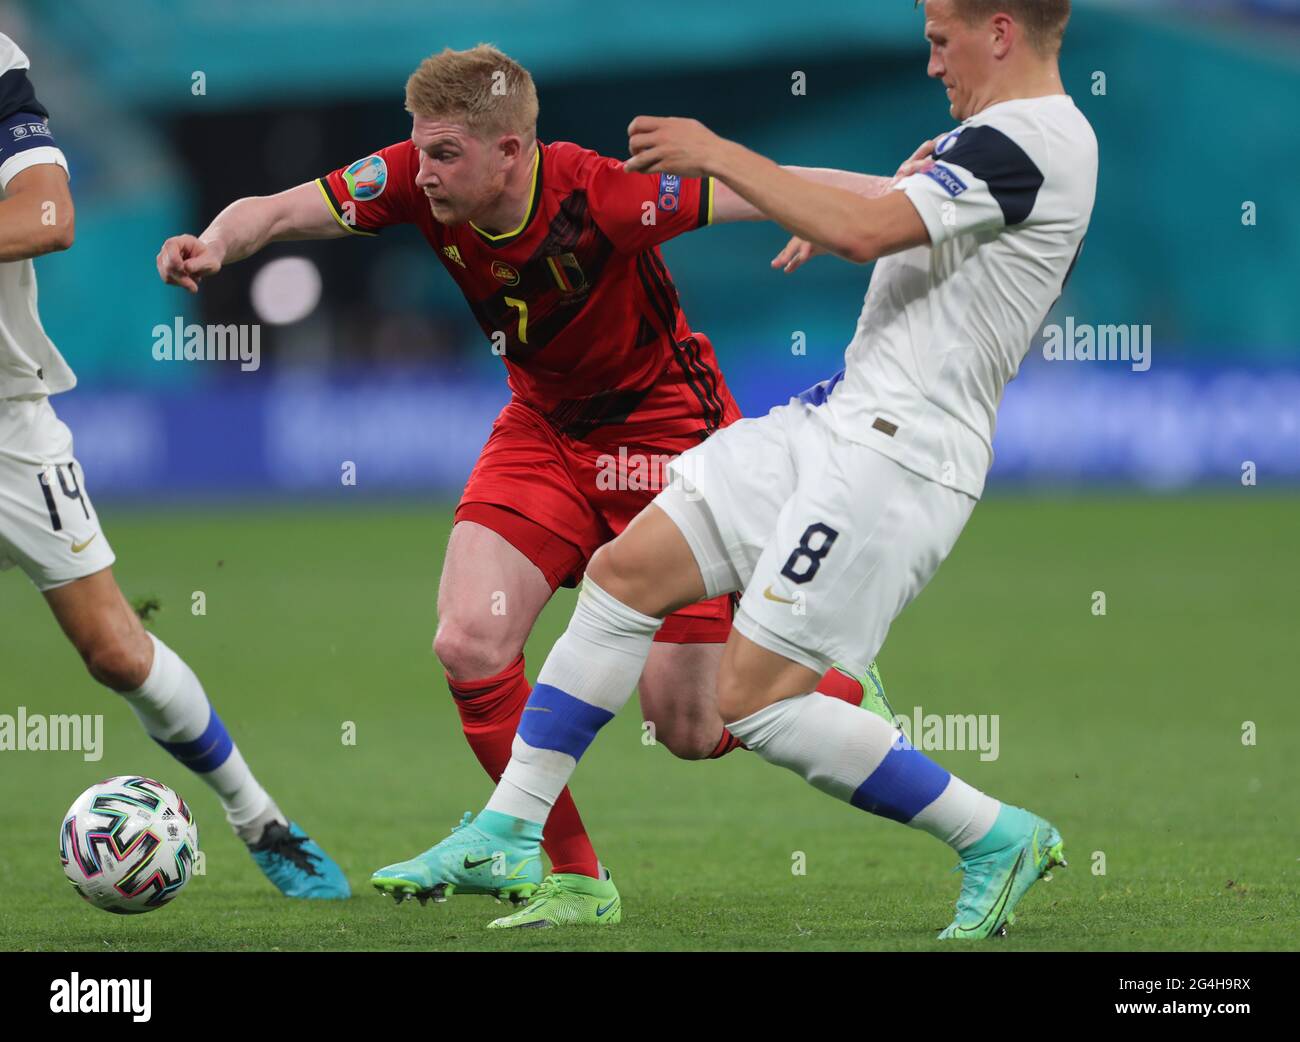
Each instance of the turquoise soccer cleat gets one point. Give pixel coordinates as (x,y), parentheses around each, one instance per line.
(297,865)
(1020,849)
(469,861)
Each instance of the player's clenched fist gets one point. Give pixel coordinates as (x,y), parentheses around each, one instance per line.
(669,145)
(185,259)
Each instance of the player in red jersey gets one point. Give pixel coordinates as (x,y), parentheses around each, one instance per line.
(556,251)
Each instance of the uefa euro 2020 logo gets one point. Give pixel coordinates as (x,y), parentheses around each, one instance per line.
(366,178)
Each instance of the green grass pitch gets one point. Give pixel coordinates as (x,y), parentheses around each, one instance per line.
(1124,728)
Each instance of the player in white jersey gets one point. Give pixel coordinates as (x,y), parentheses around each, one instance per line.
(49,528)
(832,512)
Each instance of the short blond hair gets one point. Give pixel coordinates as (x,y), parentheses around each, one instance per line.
(486,90)
(1044,21)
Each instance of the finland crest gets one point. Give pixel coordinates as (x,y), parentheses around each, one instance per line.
(946,142)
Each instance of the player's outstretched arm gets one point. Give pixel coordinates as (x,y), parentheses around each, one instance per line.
(838,221)
(728,206)
(243,228)
(797,252)
(36,215)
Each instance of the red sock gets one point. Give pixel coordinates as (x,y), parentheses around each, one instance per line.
(726,744)
(842,686)
(489,713)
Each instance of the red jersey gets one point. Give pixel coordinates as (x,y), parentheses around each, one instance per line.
(577,299)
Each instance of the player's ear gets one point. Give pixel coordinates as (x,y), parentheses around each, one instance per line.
(1004,31)
(511,147)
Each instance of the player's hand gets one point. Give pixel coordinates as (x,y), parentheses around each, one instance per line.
(185,259)
(796,254)
(918,161)
(669,145)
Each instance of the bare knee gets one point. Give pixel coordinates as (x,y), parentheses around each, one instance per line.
(678,698)
(105,631)
(120,662)
(618,571)
(688,739)
(470,652)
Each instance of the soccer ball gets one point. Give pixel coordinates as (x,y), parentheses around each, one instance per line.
(128,844)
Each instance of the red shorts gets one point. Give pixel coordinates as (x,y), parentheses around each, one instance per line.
(557,500)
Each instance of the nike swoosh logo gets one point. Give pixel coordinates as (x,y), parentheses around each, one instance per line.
(602,909)
(78,547)
(521,866)
(773,597)
(536,709)
(482,861)
(1001,903)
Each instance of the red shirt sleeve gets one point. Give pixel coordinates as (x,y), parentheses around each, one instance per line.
(375,192)
(638,211)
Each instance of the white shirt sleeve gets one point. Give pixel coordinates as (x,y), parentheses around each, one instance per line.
(16,164)
(24,129)
(981,180)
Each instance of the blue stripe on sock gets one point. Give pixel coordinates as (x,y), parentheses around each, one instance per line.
(208,751)
(554,719)
(905,783)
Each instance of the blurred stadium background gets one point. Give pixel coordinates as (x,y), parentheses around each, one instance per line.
(370,355)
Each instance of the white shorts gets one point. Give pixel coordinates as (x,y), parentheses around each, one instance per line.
(829,539)
(48,526)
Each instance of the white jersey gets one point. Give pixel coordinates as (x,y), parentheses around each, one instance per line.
(30,364)
(945,327)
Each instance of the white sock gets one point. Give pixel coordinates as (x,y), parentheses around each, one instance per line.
(959,816)
(854,755)
(175,712)
(587,678)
